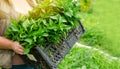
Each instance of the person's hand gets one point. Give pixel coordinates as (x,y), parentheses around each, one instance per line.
(17,48)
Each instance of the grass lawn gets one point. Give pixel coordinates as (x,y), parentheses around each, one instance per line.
(82,58)
(105,17)
(109,14)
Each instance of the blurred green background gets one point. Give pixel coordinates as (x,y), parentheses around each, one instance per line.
(102,26)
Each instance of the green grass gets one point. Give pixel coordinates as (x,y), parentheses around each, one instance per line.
(81,58)
(110,23)
(105,18)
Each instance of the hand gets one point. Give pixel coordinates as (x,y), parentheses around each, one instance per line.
(17,48)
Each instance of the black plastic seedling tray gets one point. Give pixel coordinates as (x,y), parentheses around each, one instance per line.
(51,56)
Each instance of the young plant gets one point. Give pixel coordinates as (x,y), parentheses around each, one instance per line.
(48,23)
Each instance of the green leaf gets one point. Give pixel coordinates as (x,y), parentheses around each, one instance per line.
(26,51)
(68,14)
(25,24)
(63,20)
(34,38)
(14,29)
(40,40)
(29,40)
(45,34)
(44,22)
(72,23)
(54,17)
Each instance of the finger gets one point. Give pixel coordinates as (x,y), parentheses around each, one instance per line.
(20,52)
(21,47)
(18,45)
